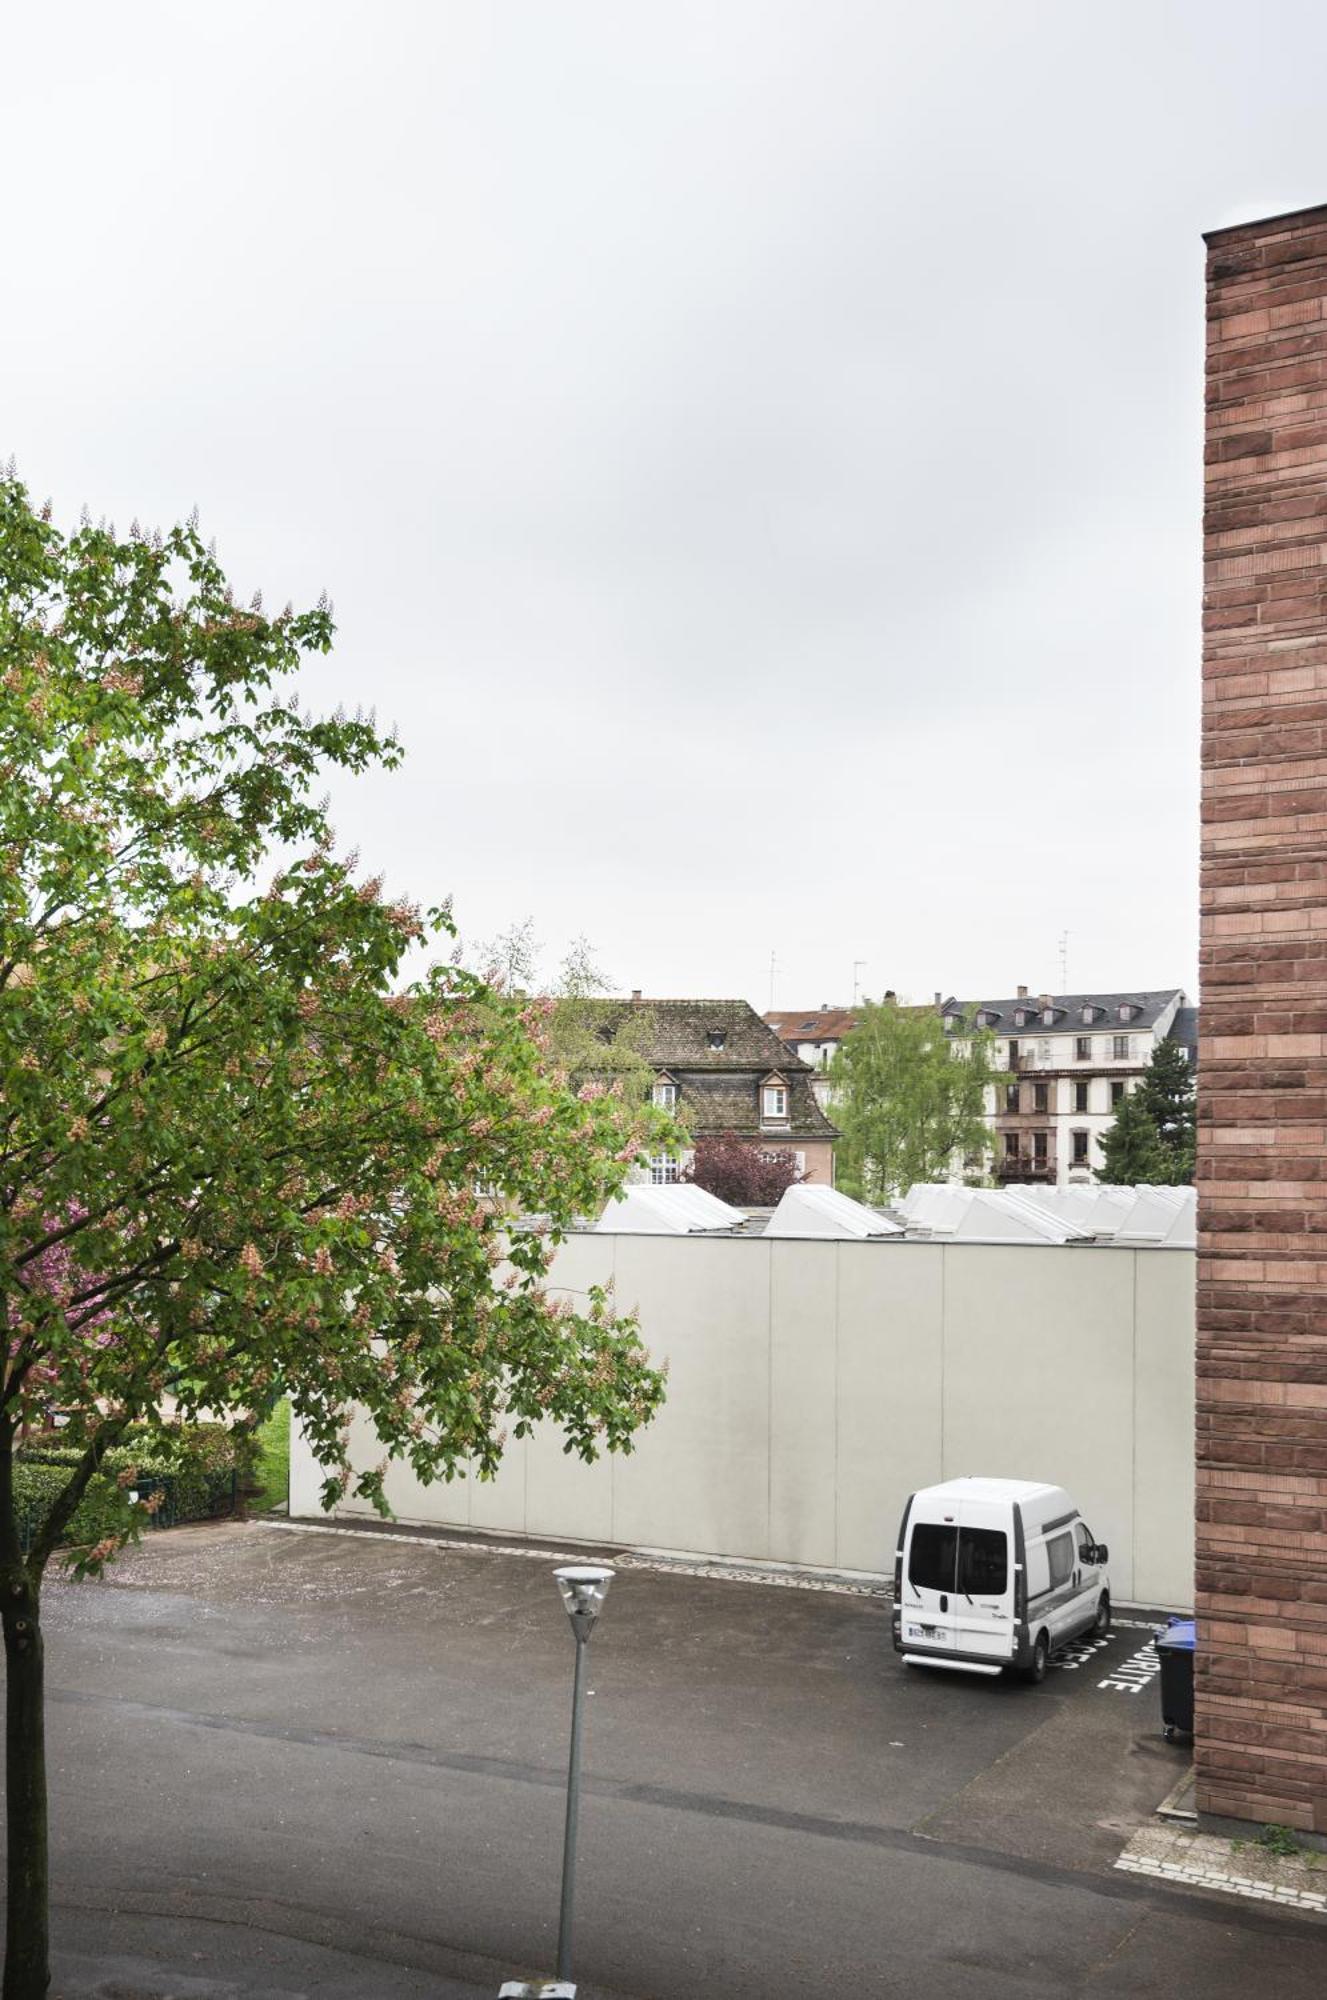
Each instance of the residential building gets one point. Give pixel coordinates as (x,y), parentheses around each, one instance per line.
(1069,1059)
(1261,1747)
(814,1034)
(728,1071)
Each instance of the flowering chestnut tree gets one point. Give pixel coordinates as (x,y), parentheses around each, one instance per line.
(236,1157)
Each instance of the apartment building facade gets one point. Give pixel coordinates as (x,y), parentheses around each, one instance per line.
(1068,1060)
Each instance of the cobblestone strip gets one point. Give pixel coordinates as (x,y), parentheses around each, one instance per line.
(783,1579)
(661,1565)
(1207,1877)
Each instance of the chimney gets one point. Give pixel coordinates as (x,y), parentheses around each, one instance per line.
(890,996)
(635,993)
(938,998)
(1043,1001)
(1022,993)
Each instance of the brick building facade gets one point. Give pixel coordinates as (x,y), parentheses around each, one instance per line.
(1262,1077)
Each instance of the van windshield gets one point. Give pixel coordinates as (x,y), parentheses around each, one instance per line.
(972,1560)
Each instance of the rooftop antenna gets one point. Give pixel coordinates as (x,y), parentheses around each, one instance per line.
(858,965)
(773,966)
(1064,961)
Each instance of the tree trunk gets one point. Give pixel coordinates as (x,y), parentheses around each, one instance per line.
(27,1924)
(27,1943)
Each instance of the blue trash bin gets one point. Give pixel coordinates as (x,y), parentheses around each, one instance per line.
(1175,1647)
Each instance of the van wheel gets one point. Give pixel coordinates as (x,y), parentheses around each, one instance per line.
(1101,1625)
(1035,1670)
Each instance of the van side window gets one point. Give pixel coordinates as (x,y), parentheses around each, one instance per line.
(933,1555)
(983,1562)
(1060,1550)
(1084,1540)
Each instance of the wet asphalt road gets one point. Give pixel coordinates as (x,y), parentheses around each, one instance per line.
(302,1763)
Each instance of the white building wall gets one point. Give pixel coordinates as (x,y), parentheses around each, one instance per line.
(814,1385)
(1050,1049)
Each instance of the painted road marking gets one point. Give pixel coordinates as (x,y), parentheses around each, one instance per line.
(1080,1652)
(1135,1673)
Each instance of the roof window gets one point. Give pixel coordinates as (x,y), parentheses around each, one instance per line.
(717,1037)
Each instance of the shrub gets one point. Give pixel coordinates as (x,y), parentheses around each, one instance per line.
(191,1468)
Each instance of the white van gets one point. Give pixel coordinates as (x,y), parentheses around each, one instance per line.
(992,1574)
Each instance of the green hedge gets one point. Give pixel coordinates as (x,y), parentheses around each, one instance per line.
(192,1469)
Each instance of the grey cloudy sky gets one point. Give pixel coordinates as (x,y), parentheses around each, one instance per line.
(754,449)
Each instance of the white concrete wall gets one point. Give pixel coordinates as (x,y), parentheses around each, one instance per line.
(813,1386)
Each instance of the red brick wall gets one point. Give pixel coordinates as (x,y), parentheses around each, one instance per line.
(1262,1262)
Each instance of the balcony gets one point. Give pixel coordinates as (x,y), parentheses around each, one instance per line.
(1025,1168)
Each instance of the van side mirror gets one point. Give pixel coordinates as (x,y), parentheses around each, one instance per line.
(1100,1553)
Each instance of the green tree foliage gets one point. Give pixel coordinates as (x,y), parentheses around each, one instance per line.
(235,1159)
(1166,1094)
(908,1099)
(1134,1155)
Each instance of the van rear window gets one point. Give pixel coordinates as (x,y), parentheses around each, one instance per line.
(983,1562)
(933,1555)
(974,1560)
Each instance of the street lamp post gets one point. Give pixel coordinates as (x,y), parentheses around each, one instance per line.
(584,1588)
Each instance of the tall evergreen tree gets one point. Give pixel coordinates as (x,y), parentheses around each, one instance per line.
(1166,1093)
(1134,1154)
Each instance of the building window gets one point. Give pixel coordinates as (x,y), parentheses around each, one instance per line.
(1122,1049)
(1039,1148)
(774,1099)
(1040,1100)
(1048,1017)
(1011,1097)
(1013,1055)
(1083,1048)
(665,1095)
(1080,1149)
(1116,1095)
(1080,1093)
(663,1170)
(1011,1145)
(717,1037)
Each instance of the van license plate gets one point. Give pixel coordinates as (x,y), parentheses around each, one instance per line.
(921,1631)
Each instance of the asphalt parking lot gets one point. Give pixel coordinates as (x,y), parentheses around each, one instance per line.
(295,1762)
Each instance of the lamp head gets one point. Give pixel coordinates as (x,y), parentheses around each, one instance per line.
(583,1588)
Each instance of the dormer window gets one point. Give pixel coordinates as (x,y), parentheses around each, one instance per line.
(1126,1011)
(1048,1017)
(1020,1017)
(773,1102)
(664,1094)
(1089,1014)
(953,1022)
(605,1034)
(717,1037)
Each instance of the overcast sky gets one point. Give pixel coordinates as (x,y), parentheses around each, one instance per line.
(754,449)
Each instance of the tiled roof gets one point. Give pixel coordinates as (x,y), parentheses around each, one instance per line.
(684,1032)
(812,1024)
(719,1086)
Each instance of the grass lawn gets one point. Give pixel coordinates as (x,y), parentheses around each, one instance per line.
(273,1461)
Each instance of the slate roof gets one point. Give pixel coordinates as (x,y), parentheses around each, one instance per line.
(1184,1030)
(1152,1003)
(719,1086)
